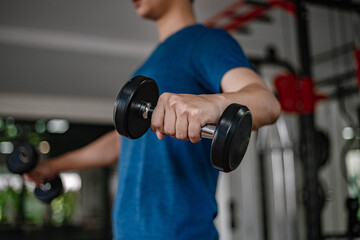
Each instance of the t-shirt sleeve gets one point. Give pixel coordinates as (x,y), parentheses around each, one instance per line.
(215,53)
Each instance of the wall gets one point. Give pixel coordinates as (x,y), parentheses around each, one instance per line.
(68,59)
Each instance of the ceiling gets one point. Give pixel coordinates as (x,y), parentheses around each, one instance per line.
(72,47)
(87,49)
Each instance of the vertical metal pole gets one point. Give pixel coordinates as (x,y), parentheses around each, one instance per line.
(264,193)
(307,134)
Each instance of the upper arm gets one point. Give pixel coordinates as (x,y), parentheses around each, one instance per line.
(216,53)
(244,86)
(239,78)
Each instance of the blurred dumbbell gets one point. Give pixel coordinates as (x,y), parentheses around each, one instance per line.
(22,160)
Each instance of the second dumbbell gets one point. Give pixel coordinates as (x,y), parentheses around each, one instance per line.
(22,160)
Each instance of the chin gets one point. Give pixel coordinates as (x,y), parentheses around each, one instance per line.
(146,15)
(141,12)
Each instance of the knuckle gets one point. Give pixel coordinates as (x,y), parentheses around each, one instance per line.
(183,110)
(163,97)
(173,101)
(194,113)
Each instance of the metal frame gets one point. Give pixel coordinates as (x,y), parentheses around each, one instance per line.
(279,156)
(345,5)
(307,126)
(309,151)
(307,133)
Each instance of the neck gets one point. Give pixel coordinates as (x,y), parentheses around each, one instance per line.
(177,18)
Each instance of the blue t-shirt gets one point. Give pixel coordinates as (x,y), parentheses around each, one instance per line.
(166,188)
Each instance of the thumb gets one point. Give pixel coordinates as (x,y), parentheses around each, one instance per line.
(33,179)
(27,177)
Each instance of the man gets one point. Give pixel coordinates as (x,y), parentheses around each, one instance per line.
(167,188)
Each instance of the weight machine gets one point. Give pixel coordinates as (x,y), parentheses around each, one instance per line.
(303,97)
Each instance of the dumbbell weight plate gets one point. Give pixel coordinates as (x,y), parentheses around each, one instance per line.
(127,117)
(231,137)
(22,159)
(49,190)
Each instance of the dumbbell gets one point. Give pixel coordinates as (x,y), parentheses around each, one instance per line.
(136,102)
(22,160)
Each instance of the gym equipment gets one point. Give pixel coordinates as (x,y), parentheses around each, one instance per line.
(136,102)
(22,160)
(321,195)
(323,143)
(352,205)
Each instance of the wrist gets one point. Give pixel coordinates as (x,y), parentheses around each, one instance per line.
(219,100)
(54,166)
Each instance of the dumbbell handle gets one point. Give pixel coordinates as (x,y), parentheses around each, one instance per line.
(146,110)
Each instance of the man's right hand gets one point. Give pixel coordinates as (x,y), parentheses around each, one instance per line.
(43,171)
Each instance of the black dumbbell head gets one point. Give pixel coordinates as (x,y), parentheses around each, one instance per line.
(127,117)
(49,190)
(231,138)
(23,159)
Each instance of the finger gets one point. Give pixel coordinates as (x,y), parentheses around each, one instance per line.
(33,179)
(157,119)
(170,122)
(182,125)
(194,131)
(30,177)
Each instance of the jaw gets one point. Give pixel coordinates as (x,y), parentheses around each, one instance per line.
(153,9)
(169,15)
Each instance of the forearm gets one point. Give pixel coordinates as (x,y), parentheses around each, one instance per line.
(264,107)
(253,93)
(102,152)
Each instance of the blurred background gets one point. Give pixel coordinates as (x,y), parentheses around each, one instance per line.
(62,64)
